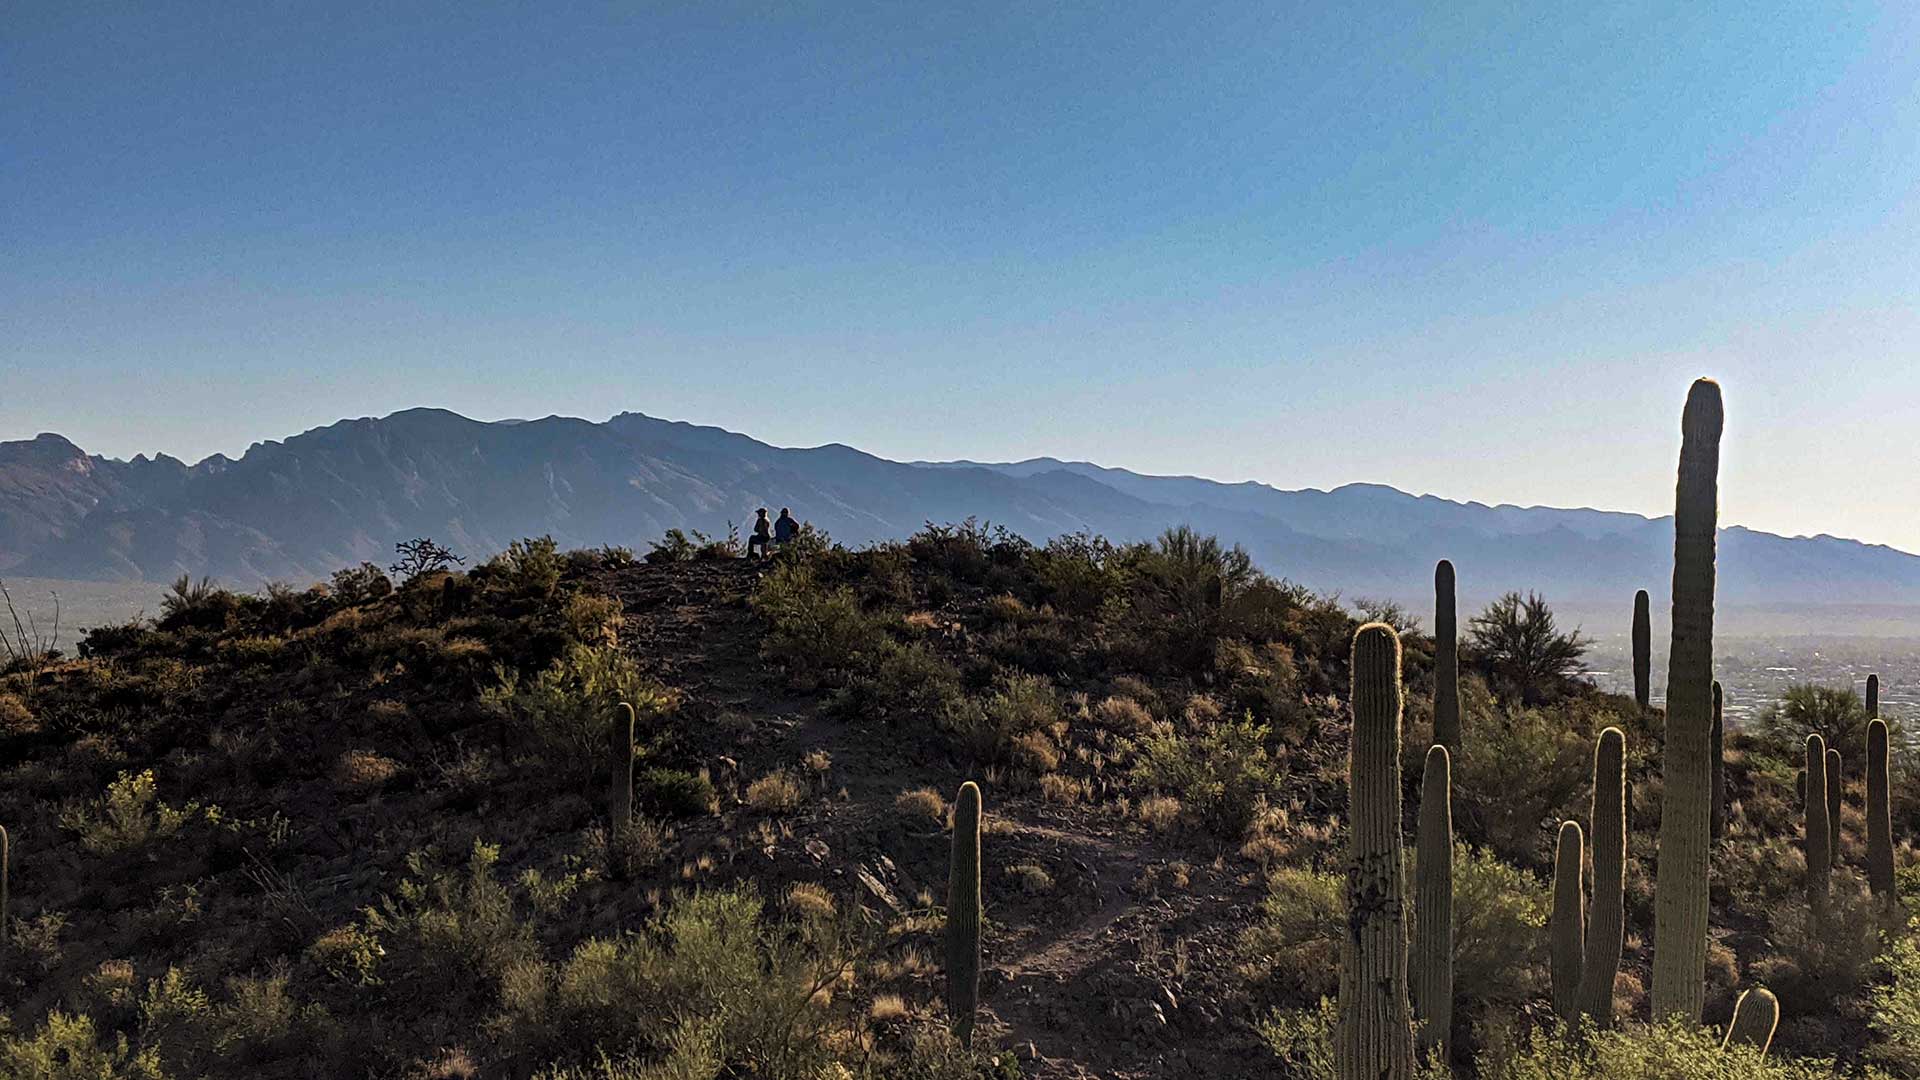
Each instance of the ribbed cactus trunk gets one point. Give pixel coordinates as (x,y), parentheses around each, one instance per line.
(620,764)
(963,914)
(1433,904)
(1719,762)
(1446,661)
(1642,649)
(1873,696)
(1836,783)
(1818,836)
(1680,897)
(1755,1016)
(1879,811)
(6,859)
(1374,1040)
(1567,927)
(1607,922)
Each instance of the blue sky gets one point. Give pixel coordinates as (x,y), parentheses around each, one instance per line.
(1474,249)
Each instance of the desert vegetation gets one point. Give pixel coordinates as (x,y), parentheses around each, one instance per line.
(583,814)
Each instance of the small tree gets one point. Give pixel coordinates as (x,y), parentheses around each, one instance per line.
(1523,649)
(422,556)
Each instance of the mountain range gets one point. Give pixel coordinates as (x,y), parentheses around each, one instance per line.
(297,509)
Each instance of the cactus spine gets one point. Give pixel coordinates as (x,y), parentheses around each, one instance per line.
(620,758)
(1642,649)
(1873,696)
(1819,855)
(1607,923)
(963,914)
(1680,899)
(1719,762)
(1446,661)
(1879,811)
(1755,1016)
(1567,930)
(1433,903)
(1374,1040)
(1836,781)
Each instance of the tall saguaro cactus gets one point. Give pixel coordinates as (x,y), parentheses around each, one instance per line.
(1879,811)
(1755,1016)
(1642,649)
(1607,922)
(1446,660)
(963,914)
(6,858)
(1680,899)
(1836,783)
(1374,1040)
(1719,751)
(1873,696)
(1818,836)
(1567,927)
(1433,903)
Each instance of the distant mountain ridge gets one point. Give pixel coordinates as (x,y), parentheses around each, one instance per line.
(299,508)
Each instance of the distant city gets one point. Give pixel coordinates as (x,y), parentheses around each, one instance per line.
(1755,671)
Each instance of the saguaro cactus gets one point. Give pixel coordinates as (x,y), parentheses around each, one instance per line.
(1374,1040)
(1836,782)
(1433,903)
(1680,897)
(1879,812)
(1607,922)
(963,914)
(1642,649)
(1567,927)
(1755,1016)
(1446,661)
(1719,751)
(1873,696)
(1818,836)
(6,858)
(620,761)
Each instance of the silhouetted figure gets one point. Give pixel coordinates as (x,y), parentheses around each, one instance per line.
(785,529)
(762,534)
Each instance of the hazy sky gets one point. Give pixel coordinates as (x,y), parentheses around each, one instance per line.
(1474,249)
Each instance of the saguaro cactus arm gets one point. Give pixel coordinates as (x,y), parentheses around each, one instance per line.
(1607,923)
(1374,1039)
(1433,903)
(1879,811)
(1680,895)
(1567,927)
(963,914)
(1836,784)
(1818,836)
(1719,751)
(1446,660)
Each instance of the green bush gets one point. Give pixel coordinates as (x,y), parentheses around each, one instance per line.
(1303,1041)
(815,631)
(1639,1052)
(448,937)
(676,792)
(1223,774)
(566,709)
(528,569)
(1014,723)
(1895,1014)
(907,684)
(68,1047)
(129,815)
(1523,772)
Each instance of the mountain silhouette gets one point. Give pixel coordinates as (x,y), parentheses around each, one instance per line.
(297,509)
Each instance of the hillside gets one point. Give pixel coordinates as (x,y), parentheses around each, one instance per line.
(294,510)
(362,831)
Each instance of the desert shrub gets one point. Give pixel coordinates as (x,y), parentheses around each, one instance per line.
(1014,723)
(1179,590)
(676,792)
(15,718)
(1123,715)
(1637,1052)
(364,769)
(1528,656)
(922,803)
(67,1047)
(968,551)
(1303,1041)
(592,619)
(358,585)
(814,630)
(1222,774)
(1895,1014)
(347,953)
(567,709)
(1262,681)
(1836,713)
(1531,769)
(907,683)
(528,569)
(198,605)
(448,936)
(1823,957)
(693,546)
(1078,573)
(1294,942)
(129,815)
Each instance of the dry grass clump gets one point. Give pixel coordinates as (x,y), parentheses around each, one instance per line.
(1064,789)
(922,803)
(775,793)
(1159,812)
(1032,878)
(363,770)
(810,900)
(1123,715)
